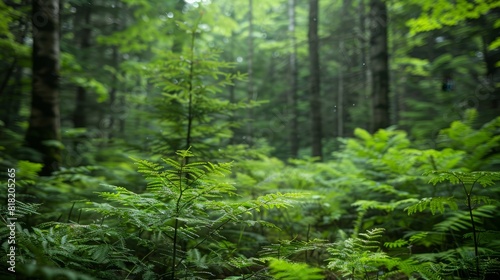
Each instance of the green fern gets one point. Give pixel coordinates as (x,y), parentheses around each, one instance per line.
(434,204)
(362,258)
(287,249)
(477,143)
(186,203)
(357,256)
(478,209)
(285,270)
(461,220)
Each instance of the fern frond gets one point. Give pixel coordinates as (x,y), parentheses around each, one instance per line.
(484,178)
(460,220)
(396,244)
(282,269)
(357,254)
(434,204)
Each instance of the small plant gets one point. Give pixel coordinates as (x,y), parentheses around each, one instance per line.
(477,209)
(179,220)
(362,258)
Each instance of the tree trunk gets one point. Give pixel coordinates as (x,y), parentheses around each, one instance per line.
(340,95)
(250,72)
(115,106)
(232,87)
(44,122)
(292,93)
(345,61)
(364,99)
(379,65)
(82,18)
(113,92)
(315,94)
(394,79)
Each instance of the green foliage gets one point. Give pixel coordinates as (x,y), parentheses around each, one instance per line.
(361,258)
(184,212)
(434,204)
(285,270)
(467,179)
(480,144)
(166,75)
(437,14)
(357,256)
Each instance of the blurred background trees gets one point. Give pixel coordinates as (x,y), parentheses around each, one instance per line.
(439,63)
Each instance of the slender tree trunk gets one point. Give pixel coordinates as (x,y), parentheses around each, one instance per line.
(232,89)
(83,14)
(379,64)
(292,93)
(394,80)
(343,55)
(250,72)
(121,123)
(364,98)
(44,122)
(113,103)
(315,93)
(340,96)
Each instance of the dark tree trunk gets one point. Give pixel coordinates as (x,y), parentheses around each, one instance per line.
(364,99)
(116,107)
(83,14)
(315,94)
(379,65)
(292,93)
(113,103)
(44,122)
(82,35)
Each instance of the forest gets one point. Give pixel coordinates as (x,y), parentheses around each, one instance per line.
(250,139)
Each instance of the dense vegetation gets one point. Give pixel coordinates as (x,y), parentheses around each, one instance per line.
(228,139)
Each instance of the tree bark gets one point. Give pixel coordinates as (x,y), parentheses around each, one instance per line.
(379,65)
(44,122)
(314,80)
(292,93)
(83,14)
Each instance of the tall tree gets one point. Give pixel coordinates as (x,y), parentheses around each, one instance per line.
(250,69)
(292,92)
(366,73)
(379,64)
(113,92)
(340,93)
(314,80)
(82,20)
(43,133)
